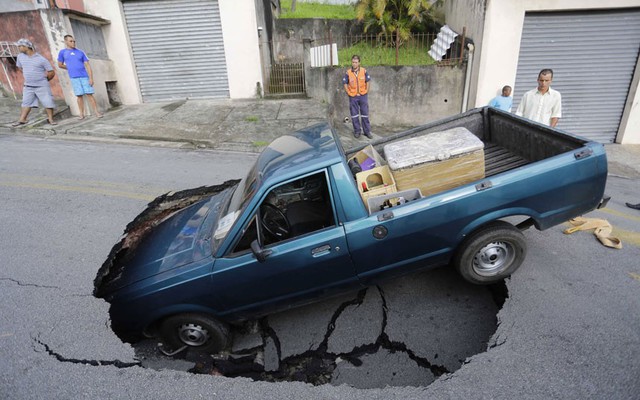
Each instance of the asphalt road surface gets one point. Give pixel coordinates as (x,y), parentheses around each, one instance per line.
(569,327)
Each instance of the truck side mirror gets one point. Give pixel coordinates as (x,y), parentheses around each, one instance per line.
(260,253)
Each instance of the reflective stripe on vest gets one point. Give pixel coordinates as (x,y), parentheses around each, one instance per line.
(357,84)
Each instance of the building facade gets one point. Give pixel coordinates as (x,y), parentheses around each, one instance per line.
(592,46)
(142,50)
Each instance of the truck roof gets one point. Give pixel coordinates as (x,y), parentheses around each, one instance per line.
(299,152)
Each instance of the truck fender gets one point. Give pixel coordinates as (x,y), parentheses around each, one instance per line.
(529,218)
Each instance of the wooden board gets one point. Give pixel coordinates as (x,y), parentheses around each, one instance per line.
(438,176)
(437,161)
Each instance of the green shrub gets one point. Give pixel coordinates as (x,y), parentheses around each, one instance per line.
(381,55)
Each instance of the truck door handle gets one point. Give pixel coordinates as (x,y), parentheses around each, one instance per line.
(320,251)
(583,153)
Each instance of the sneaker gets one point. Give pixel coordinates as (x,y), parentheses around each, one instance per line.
(356,134)
(368,135)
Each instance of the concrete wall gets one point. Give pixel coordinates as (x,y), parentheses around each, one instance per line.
(398,96)
(240,33)
(468,15)
(289,34)
(57,26)
(27,24)
(16,5)
(122,69)
(629,131)
(241,48)
(314,28)
(497,57)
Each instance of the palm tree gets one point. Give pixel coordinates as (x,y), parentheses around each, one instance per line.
(394,19)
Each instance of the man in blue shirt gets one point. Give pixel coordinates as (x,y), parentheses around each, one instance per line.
(76,62)
(503,102)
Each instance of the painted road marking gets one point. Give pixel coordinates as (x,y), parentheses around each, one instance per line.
(110,189)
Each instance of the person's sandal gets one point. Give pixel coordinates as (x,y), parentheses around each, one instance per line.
(52,122)
(18,123)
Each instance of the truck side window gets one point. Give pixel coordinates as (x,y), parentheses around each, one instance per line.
(290,210)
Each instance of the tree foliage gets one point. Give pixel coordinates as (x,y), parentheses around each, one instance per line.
(395,18)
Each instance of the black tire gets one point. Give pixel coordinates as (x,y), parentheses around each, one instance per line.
(197,331)
(491,253)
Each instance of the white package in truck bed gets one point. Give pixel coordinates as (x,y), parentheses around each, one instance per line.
(437,161)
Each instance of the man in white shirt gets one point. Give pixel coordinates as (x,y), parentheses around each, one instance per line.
(542,104)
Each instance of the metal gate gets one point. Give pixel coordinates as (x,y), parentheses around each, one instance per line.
(177,48)
(284,69)
(593,55)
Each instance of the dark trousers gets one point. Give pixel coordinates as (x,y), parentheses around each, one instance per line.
(359,108)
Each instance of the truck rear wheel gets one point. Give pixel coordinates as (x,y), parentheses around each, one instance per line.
(491,253)
(195,331)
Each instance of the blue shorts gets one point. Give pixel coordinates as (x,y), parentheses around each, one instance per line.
(81,86)
(31,95)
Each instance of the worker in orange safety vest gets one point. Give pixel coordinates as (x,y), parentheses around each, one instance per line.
(356,84)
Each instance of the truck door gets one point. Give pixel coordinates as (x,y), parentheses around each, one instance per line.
(306,253)
(400,239)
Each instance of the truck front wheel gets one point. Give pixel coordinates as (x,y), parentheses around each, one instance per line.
(491,253)
(196,331)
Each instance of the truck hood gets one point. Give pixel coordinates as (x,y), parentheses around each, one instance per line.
(173,231)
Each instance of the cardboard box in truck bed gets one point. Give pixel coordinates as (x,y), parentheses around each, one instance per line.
(437,161)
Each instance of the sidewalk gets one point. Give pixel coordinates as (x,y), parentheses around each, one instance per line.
(227,125)
(233,125)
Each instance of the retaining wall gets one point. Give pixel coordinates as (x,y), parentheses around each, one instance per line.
(398,97)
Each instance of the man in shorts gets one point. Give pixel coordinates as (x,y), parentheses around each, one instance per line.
(76,62)
(37,72)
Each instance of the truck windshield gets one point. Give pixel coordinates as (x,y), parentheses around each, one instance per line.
(236,203)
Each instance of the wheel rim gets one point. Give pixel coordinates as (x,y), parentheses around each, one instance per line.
(193,335)
(493,258)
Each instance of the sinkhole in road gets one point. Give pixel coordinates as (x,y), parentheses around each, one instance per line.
(404,333)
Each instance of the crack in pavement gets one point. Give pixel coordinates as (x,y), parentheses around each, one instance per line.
(386,343)
(95,363)
(316,366)
(351,342)
(19,283)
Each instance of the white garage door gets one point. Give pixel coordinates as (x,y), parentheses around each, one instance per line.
(177,48)
(593,56)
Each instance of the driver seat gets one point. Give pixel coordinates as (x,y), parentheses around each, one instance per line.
(307,216)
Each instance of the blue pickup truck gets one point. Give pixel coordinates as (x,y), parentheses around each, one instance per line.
(297,228)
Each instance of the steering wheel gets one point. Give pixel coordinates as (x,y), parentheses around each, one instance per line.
(274,221)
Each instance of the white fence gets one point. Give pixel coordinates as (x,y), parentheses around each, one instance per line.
(324,56)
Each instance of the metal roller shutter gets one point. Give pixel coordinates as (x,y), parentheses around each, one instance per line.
(177,48)
(593,55)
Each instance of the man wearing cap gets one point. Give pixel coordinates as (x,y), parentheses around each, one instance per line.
(77,64)
(37,72)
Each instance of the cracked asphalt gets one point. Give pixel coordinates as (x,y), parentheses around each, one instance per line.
(569,327)
(406,332)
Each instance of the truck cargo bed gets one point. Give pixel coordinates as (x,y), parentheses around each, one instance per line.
(498,159)
(510,141)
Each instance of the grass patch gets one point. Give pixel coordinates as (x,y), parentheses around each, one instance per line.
(251,118)
(260,144)
(380,55)
(316,10)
